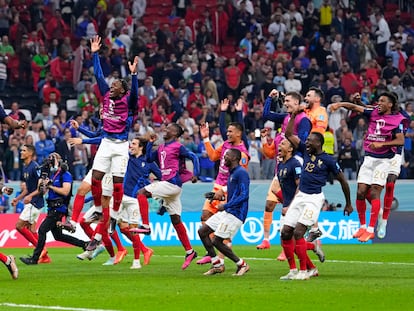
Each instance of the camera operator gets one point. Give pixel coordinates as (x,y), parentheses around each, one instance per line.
(57,184)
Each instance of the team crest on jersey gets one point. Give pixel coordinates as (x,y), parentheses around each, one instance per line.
(142,164)
(320,162)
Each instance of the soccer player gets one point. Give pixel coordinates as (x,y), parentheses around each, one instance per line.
(10,263)
(385,132)
(32,199)
(112,155)
(303,126)
(305,207)
(94,214)
(136,177)
(58,186)
(319,119)
(169,157)
(234,140)
(230,217)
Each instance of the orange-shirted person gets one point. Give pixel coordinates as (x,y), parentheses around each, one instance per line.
(234,140)
(315,112)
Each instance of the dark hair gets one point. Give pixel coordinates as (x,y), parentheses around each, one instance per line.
(30,148)
(320,137)
(236,153)
(318,92)
(125,85)
(179,129)
(237,125)
(142,143)
(393,98)
(295,95)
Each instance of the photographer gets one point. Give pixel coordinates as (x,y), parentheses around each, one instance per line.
(56,181)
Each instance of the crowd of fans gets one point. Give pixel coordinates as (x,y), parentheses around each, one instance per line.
(231,49)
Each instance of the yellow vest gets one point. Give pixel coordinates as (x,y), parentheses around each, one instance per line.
(326,15)
(329,145)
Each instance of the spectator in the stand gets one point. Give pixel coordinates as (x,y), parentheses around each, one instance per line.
(291,84)
(220,21)
(352,53)
(45,117)
(338,22)
(255,154)
(277,28)
(24,53)
(330,67)
(232,76)
(203,37)
(187,122)
(44,146)
(336,49)
(241,20)
(15,112)
(80,155)
(254,120)
(56,27)
(148,89)
(12,165)
(181,7)
(40,64)
(397,88)
(348,159)
(366,49)
(87,100)
(325,17)
(349,80)
(54,135)
(383,35)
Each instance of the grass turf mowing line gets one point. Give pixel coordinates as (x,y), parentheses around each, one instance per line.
(71,283)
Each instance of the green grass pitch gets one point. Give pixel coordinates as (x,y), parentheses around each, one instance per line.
(353,277)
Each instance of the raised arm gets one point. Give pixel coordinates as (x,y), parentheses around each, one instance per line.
(224,104)
(133,96)
(100,79)
(346,105)
(269,115)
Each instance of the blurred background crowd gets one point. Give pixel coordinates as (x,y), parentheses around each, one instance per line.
(194,53)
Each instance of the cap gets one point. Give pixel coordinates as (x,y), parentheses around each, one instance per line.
(197,85)
(329,57)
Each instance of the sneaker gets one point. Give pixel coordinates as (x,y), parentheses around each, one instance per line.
(282,256)
(301,275)
(215,270)
(99,250)
(290,276)
(381,228)
(66,226)
(264,245)
(206,259)
(109,262)
(28,260)
(92,245)
(94,217)
(313,235)
(112,225)
(85,255)
(120,256)
(44,259)
(366,236)
(318,250)
(244,268)
(12,267)
(359,232)
(313,272)
(188,259)
(141,229)
(136,264)
(147,255)
(162,210)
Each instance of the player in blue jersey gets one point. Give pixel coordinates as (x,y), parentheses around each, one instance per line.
(112,156)
(136,177)
(231,216)
(302,129)
(32,199)
(169,157)
(304,209)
